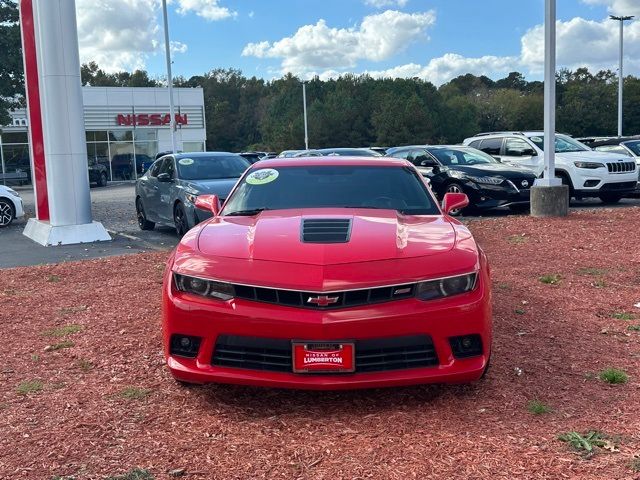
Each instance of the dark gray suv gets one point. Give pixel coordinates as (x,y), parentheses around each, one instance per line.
(167,192)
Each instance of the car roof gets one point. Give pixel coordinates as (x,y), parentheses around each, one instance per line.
(405,147)
(331,160)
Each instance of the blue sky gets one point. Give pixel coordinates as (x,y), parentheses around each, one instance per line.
(432,39)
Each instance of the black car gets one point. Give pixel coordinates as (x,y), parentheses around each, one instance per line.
(98,172)
(487,182)
(253,157)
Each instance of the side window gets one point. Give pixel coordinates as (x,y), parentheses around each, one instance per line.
(419,156)
(516,147)
(155,168)
(168,166)
(403,154)
(491,145)
(475,143)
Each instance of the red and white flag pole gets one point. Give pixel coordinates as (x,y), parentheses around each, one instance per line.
(56,125)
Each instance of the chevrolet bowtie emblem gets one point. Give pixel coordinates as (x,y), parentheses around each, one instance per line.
(323,300)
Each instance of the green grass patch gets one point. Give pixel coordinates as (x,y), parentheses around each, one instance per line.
(592,271)
(614,376)
(135,393)
(520,311)
(84,365)
(70,310)
(59,346)
(53,278)
(30,386)
(584,443)
(635,465)
(63,331)
(623,316)
(536,407)
(135,474)
(35,357)
(550,279)
(599,283)
(517,239)
(634,328)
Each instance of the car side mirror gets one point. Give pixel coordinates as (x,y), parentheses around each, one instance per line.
(497,158)
(164,178)
(427,162)
(454,201)
(210,203)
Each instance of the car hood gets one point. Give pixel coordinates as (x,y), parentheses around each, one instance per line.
(592,156)
(375,235)
(507,171)
(220,187)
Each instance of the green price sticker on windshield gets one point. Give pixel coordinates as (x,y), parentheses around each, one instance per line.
(186,161)
(262,176)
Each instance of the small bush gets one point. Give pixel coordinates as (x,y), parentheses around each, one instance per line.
(584,443)
(613,376)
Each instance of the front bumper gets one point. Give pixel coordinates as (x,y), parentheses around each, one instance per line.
(467,314)
(492,196)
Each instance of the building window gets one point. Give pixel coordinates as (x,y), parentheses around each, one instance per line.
(193,146)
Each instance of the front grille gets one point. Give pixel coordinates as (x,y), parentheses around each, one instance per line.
(372,355)
(621,167)
(324,301)
(326,230)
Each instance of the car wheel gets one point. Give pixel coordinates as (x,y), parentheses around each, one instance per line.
(102,181)
(519,208)
(610,198)
(455,188)
(143,223)
(7,212)
(180,220)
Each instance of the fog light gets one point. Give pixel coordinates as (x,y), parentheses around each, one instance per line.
(591,183)
(466,346)
(184,346)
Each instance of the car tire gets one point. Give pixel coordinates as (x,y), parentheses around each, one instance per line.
(143,223)
(455,187)
(180,220)
(102,181)
(566,181)
(519,208)
(610,198)
(7,212)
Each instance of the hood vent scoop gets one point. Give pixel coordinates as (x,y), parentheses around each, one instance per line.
(326,230)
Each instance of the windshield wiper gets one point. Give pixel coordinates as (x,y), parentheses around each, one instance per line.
(246,213)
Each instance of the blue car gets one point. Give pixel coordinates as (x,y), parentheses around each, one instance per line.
(167,192)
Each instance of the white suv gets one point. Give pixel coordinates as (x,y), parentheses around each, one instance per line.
(10,206)
(588,173)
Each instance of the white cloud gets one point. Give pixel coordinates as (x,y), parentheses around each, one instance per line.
(178,47)
(319,46)
(618,7)
(252,14)
(117,41)
(207,9)
(386,3)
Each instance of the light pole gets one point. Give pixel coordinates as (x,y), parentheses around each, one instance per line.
(304,108)
(620,19)
(167,48)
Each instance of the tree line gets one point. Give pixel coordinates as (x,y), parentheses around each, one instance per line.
(249,113)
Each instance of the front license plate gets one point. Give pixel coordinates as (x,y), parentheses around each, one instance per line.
(309,357)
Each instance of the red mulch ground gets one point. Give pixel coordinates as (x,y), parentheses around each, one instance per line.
(561,336)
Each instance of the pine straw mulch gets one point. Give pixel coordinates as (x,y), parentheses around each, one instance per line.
(98,402)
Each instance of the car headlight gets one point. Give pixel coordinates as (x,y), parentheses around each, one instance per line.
(487,180)
(588,164)
(13,192)
(190,197)
(204,288)
(446,287)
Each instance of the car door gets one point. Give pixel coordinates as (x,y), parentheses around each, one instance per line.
(430,168)
(491,146)
(165,192)
(518,151)
(148,190)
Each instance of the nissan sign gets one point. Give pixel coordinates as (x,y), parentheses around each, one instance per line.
(149,119)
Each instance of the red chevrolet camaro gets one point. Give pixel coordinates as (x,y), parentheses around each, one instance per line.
(328,273)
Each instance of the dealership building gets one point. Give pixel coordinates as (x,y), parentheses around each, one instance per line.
(125,129)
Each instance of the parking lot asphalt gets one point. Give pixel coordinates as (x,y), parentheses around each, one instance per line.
(114,207)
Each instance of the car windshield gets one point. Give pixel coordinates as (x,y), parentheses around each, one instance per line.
(211,168)
(331,186)
(461,156)
(564,144)
(634,147)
